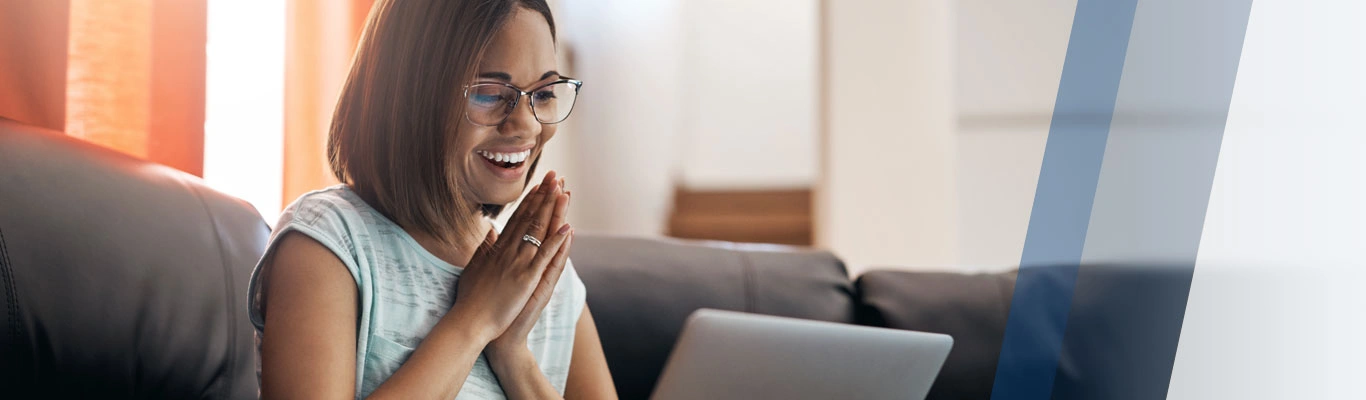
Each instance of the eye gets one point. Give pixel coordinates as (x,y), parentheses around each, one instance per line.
(544,95)
(487,97)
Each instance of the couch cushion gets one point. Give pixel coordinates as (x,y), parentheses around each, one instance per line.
(640,292)
(971,308)
(119,278)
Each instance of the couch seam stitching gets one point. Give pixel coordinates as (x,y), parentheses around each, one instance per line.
(16,332)
(747,271)
(228,287)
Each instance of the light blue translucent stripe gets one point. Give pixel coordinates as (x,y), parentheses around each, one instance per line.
(1062,201)
(1121,199)
(1130,294)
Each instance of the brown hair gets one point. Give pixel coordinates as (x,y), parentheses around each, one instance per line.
(397,114)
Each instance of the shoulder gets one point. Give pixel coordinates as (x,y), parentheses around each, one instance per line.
(333,216)
(323,206)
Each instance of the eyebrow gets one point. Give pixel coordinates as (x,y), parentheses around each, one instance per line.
(505,77)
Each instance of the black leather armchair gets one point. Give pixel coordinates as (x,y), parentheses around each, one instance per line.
(119,278)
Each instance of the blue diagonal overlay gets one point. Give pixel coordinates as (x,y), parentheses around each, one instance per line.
(1062,201)
(1130,295)
(1112,241)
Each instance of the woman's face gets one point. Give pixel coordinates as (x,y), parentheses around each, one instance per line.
(522,54)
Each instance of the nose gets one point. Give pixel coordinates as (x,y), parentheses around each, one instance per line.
(522,121)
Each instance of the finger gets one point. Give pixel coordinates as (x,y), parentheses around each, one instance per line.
(539,226)
(517,216)
(551,277)
(557,264)
(560,212)
(532,198)
(550,247)
(517,224)
(512,237)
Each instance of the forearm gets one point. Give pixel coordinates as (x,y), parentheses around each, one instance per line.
(440,364)
(520,376)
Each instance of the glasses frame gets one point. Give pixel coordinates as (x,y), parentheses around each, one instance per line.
(523,93)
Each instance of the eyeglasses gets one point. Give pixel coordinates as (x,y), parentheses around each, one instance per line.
(490,103)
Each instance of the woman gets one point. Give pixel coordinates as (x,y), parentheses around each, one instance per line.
(441,122)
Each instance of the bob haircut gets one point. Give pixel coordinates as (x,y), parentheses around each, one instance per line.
(398,112)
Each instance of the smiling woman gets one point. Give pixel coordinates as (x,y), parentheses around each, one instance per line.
(382,97)
(397,283)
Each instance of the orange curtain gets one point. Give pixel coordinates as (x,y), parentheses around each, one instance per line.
(33,42)
(109,69)
(135,78)
(176,110)
(126,74)
(130,74)
(320,40)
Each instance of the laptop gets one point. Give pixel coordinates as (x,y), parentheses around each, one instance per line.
(732,355)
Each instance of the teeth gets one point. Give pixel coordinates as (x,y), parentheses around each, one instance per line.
(517,157)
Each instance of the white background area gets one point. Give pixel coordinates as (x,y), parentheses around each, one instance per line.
(244,102)
(938,111)
(749,94)
(1276,309)
(1009,58)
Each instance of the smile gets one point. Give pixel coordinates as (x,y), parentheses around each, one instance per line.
(506,160)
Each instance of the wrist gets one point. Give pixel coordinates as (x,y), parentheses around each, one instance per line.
(470,325)
(506,344)
(507,360)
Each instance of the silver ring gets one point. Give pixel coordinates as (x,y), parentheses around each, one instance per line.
(532,240)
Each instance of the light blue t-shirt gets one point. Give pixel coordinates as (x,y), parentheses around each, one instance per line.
(404,290)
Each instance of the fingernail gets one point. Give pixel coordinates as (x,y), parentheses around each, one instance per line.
(563,229)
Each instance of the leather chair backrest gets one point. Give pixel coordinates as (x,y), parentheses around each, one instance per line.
(119,278)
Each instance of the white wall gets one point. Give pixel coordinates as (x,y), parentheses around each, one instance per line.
(1009,61)
(625,127)
(750,86)
(708,94)
(938,115)
(1275,301)
(888,196)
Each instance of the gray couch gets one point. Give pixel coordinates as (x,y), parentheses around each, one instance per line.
(123,279)
(641,291)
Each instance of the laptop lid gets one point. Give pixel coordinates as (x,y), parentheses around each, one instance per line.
(731,355)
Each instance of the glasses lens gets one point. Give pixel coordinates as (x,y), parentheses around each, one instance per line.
(489,104)
(553,102)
